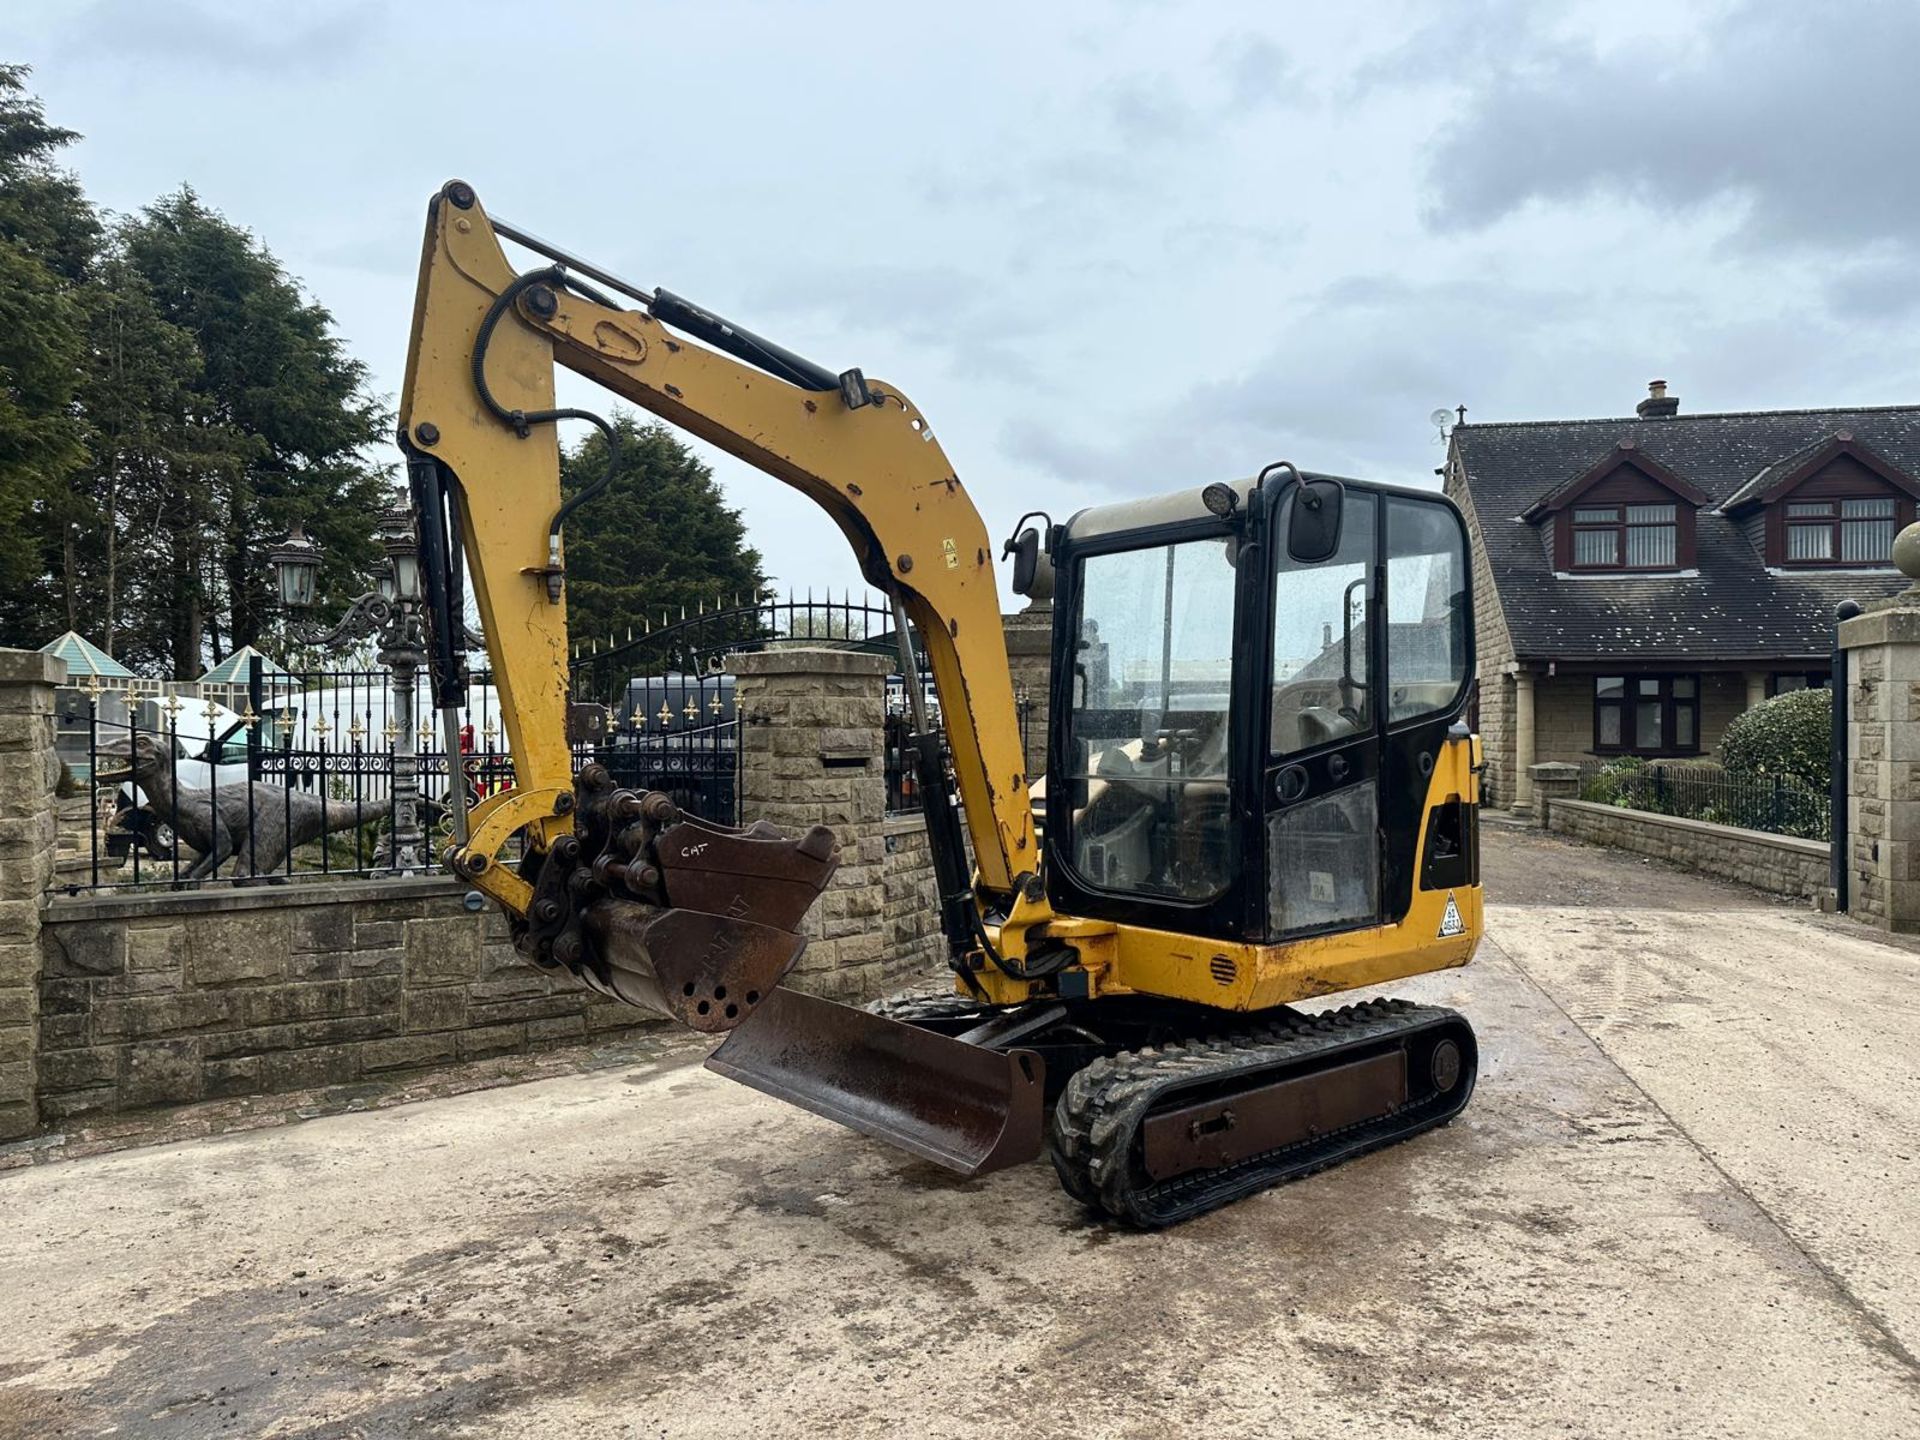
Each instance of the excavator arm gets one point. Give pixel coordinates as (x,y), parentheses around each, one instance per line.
(479,426)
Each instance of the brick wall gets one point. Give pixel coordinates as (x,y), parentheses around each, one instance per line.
(1778,864)
(160,999)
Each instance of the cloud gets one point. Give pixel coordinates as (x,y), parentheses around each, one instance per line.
(1796,123)
(1376,355)
(974,320)
(258,39)
(1254,71)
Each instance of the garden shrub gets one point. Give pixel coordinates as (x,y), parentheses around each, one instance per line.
(1791,735)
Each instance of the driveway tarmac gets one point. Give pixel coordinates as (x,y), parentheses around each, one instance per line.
(1681,1203)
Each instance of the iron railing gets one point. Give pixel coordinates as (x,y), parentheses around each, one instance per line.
(1694,790)
(216,794)
(672,723)
(314,755)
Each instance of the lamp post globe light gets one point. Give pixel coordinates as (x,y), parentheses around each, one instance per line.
(392,617)
(296,569)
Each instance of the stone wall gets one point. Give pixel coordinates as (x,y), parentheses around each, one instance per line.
(1883,745)
(1779,864)
(123,1000)
(1563,713)
(812,753)
(911,910)
(160,999)
(28,773)
(1030,659)
(1493,651)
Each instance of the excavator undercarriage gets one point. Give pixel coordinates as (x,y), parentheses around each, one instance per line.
(1261,787)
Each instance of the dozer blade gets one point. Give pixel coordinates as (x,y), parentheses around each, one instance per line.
(968,1108)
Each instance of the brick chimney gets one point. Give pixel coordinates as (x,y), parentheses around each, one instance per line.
(1658,405)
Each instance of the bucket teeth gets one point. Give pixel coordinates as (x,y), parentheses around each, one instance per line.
(694,921)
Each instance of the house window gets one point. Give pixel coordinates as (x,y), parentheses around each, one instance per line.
(1626,537)
(1840,532)
(1646,714)
(1785,682)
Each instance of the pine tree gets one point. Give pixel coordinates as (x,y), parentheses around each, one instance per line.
(48,235)
(659,538)
(285,409)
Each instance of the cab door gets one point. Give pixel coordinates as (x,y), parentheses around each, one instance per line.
(1321,771)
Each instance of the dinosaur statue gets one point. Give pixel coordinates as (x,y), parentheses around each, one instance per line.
(254,825)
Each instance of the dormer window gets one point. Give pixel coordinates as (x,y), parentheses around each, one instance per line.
(1852,532)
(1838,503)
(1626,537)
(1625,513)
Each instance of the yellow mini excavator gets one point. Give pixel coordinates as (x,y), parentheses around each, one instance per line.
(1260,786)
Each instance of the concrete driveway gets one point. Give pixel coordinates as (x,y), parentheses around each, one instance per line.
(1682,1203)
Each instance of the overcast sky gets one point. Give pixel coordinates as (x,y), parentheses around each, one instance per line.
(1109,250)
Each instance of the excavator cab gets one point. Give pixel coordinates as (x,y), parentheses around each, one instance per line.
(1260,787)
(1250,698)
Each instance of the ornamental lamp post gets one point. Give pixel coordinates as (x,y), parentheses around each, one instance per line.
(392,617)
(296,568)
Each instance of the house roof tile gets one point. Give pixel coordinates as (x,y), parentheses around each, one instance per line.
(1731,606)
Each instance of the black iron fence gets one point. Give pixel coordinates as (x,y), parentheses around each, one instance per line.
(671,722)
(315,774)
(1701,790)
(310,774)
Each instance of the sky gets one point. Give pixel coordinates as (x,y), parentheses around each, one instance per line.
(1110,250)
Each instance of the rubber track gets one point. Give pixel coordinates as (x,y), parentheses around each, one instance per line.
(1098,1117)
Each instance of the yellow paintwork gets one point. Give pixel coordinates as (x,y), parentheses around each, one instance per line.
(877,471)
(1129,959)
(885,481)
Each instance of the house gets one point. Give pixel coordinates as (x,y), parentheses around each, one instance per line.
(1640,581)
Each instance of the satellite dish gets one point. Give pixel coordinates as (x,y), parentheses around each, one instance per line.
(1440,417)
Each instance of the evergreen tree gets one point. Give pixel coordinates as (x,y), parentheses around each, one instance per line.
(282,407)
(151,476)
(48,234)
(660,537)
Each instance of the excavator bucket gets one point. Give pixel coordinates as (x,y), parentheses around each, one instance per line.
(668,912)
(960,1105)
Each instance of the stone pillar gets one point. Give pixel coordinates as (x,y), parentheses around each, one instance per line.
(29,771)
(1030,658)
(1522,739)
(1756,688)
(1552,780)
(1883,750)
(813,752)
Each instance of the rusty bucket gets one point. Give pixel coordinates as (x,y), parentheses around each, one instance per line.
(963,1106)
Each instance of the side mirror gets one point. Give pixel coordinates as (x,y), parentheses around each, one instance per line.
(1313,527)
(1032,566)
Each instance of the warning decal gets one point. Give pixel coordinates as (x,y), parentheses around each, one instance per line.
(1450,923)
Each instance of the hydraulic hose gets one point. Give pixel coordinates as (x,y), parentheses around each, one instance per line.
(523,421)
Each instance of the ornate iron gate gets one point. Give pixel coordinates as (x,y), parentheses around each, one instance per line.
(672,723)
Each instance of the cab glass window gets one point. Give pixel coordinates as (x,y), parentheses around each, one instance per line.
(1322,617)
(1148,754)
(1426,609)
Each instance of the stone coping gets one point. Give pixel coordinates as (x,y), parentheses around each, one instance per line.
(809,660)
(69,909)
(31,667)
(1731,834)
